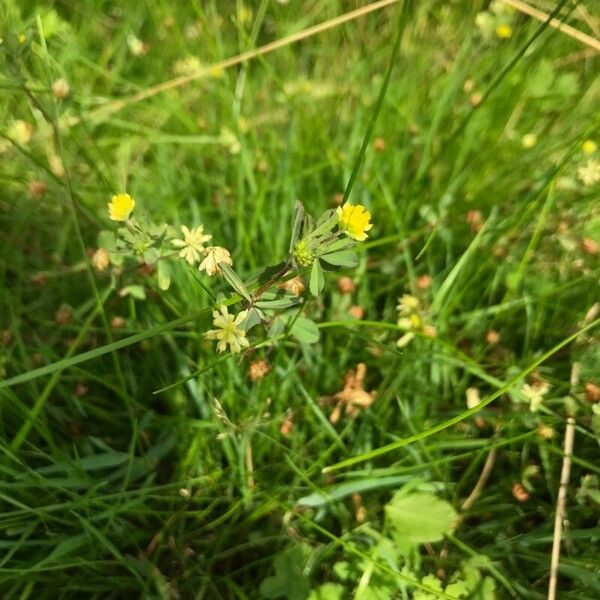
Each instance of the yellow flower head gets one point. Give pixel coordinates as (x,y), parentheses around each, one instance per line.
(589,147)
(504,31)
(120,207)
(354,221)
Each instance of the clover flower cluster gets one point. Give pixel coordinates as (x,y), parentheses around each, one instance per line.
(412,319)
(316,246)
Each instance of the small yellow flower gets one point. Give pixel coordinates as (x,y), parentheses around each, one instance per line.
(529,140)
(504,31)
(213,256)
(192,244)
(589,147)
(354,221)
(217,72)
(228,330)
(22,38)
(407,304)
(120,207)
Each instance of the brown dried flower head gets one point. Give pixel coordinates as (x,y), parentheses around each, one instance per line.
(294,286)
(258,369)
(519,492)
(100,259)
(346,285)
(592,392)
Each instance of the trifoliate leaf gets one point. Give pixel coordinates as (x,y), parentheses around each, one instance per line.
(344,258)
(340,244)
(232,278)
(420,517)
(253,318)
(328,591)
(325,224)
(305,331)
(317,280)
(289,580)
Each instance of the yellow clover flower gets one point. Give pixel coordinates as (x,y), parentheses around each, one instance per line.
(354,221)
(213,256)
(228,330)
(120,207)
(589,147)
(504,31)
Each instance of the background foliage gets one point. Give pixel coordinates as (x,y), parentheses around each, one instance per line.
(214,488)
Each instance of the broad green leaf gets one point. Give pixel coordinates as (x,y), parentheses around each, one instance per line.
(289,580)
(343,258)
(420,517)
(328,591)
(135,291)
(234,281)
(254,317)
(305,331)
(317,280)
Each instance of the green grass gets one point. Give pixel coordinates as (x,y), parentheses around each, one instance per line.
(110,490)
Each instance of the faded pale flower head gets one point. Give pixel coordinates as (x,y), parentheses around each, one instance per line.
(590,173)
(21,132)
(545,431)
(120,207)
(192,244)
(228,330)
(408,304)
(61,88)
(100,259)
(212,257)
(473,397)
(354,221)
(535,394)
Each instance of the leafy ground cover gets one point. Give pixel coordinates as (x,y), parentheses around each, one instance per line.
(415,450)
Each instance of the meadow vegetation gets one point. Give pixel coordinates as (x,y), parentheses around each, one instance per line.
(393,424)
